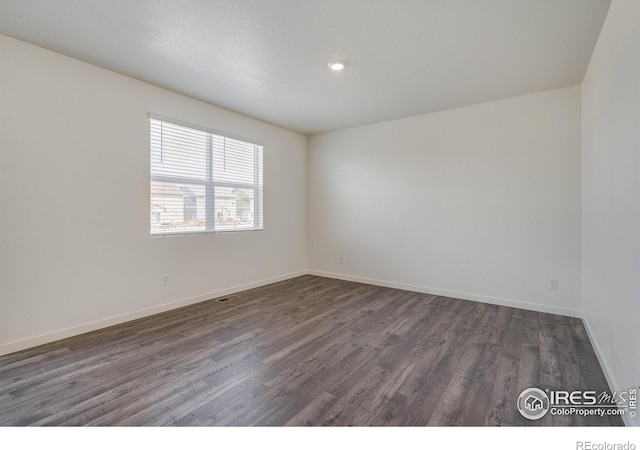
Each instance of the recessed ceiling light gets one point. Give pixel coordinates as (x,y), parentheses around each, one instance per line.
(337,65)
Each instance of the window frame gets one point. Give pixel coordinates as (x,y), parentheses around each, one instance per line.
(210,183)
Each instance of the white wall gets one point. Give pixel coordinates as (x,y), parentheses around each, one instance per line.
(611,195)
(75,251)
(481,202)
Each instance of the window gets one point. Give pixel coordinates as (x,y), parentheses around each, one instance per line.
(203,182)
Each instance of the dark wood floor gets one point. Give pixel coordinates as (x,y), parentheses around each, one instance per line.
(307,351)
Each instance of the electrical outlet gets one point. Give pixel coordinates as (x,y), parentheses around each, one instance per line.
(612,342)
(553,285)
(342,260)
(165,280)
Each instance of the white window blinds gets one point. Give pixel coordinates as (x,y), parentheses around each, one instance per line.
(203,182)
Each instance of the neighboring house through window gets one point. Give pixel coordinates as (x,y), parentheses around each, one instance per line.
(202,181)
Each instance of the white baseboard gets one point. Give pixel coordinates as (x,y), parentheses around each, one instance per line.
(461,295)
(608,373)
(46,338)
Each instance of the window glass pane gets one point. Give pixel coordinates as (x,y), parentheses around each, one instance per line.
(177,207)
(235,208)
(178,151)
(233,160)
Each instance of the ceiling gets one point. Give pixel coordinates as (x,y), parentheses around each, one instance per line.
(268,58)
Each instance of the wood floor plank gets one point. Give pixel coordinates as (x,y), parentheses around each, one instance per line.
(304,352)
(310,415)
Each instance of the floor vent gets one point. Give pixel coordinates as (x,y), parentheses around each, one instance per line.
(223,299)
